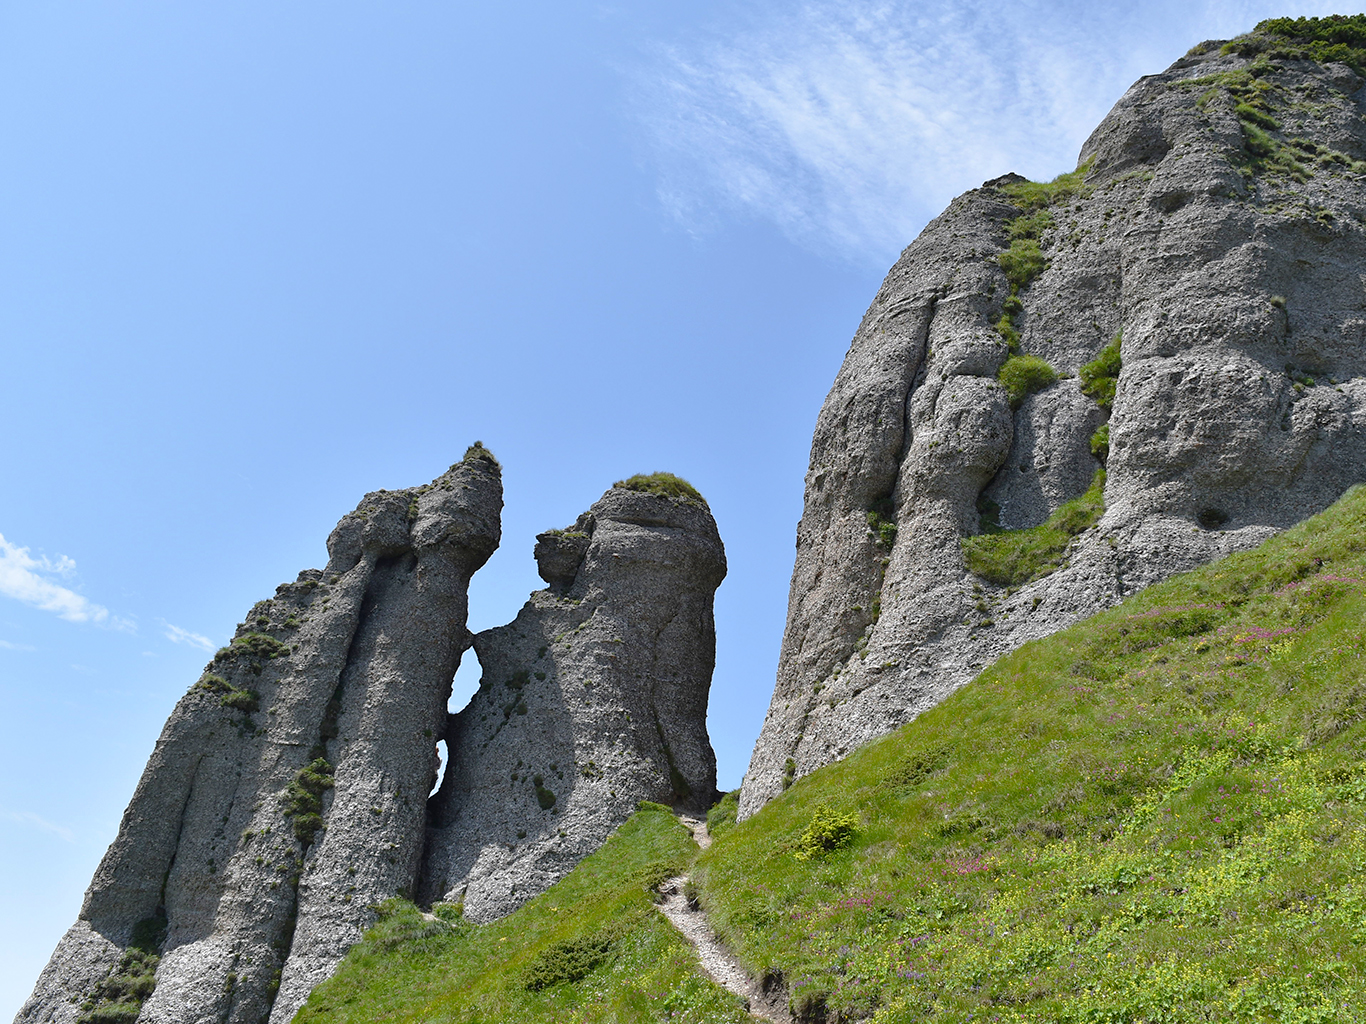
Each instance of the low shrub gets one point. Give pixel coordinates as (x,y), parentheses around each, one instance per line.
(826,832)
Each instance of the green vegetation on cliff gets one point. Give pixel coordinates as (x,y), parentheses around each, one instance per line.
(1012,558)
(1158,815)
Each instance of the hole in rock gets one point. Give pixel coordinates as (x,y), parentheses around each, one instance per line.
(441,769)
(465,683)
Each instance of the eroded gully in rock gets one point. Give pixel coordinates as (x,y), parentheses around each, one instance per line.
(766,1002)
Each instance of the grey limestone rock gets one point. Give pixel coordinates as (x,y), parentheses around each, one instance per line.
(288,789)
(592,699)
(1230,263)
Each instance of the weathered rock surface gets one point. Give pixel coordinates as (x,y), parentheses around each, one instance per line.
(1232,265)
(256,868)
(592,699)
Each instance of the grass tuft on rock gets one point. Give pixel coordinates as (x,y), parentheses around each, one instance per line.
(1012,558)
(1098,377)
(1024,375)
(664,484)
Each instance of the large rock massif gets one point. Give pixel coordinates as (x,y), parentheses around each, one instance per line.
(1215,226)
(288,793)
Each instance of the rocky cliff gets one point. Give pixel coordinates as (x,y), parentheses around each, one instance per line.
(1187,309)
(593,699)
(289,791)
(288,788)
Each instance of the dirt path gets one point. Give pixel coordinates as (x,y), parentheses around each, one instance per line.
(719,963)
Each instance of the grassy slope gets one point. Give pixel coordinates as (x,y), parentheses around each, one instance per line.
(1156,815)
(408,969)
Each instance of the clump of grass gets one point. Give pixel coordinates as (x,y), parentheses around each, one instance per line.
(481,972)
(1098,377)
(1100,443)
(1022,262)
(303,798)
(478,453)
(1024,375)
(230,696)
(1030,196)
(1012,558)
(665,484)
(1156,815)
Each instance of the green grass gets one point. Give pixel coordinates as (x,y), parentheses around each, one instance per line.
(590,949)
(1030,196)
(1011,558)
(1098,377)
(665,484)
(1335,38)
(1158,815)
(1024,375)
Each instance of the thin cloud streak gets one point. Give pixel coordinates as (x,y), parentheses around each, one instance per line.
(849,125)
(183,636)
(40,823)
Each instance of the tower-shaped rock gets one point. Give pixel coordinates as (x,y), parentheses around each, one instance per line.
(592,699)
(288,790)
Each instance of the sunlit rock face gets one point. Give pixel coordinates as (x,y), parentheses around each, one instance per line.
(1232,270)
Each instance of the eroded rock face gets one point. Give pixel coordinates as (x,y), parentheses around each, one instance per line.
(1237,286)
(592,699)
(288,789)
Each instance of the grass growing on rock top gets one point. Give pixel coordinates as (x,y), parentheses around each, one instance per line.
(590,949)
(1156,815)
(1011,558)
(665,484)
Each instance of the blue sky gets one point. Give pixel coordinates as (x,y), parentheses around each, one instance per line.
(257,259)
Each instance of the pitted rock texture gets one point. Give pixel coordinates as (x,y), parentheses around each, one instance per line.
(351,665)
(592,699)
(1239,287)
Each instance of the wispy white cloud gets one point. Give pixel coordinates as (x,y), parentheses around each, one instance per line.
(850,123)
(183,636)
(29,579)
(40,823)
(6,645)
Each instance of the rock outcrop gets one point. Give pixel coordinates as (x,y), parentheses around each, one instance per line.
(592,699)
(1214,227)
(291,790)
(287,792)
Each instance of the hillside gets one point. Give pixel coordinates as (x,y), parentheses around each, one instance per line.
(1155,815)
